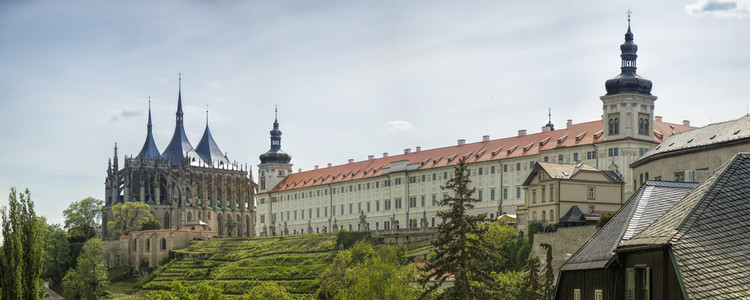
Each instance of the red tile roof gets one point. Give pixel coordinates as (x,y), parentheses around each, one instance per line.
(531,144)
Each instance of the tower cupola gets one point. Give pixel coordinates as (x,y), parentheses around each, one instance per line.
(628,81)
(275,154)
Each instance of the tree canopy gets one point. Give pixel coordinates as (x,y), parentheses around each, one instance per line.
(89,278)
(82,218)
(57,259)
(22,250)
(460,241)
(127,217)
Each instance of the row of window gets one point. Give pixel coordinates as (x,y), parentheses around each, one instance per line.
(162,242)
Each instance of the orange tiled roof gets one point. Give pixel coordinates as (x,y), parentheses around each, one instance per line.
(516,146)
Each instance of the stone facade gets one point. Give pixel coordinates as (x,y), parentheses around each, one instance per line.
(149,247)
(184,185)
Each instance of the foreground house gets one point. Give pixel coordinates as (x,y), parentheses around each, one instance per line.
(593,272)
(699,248)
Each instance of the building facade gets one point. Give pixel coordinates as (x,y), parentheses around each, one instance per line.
(553,189)
(401,191)
(148,248)
(184,184)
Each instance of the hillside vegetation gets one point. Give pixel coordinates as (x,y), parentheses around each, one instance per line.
(236,265)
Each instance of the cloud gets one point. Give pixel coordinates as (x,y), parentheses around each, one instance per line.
(125,113)
(720,8)
(398,126)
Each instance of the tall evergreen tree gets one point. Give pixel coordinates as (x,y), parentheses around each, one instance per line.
(549,273)
(459,241)
(21,260)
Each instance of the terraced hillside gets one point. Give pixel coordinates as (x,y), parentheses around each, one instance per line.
(235,265)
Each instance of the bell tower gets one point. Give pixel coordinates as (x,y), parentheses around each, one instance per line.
(628,106)
(274,164)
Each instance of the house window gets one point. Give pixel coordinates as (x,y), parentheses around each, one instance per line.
(422,200)
(445,175)
(368,206)
(577,294)
(397,181)
(424,177)
(614,152)
(398,203)
(551,215)
(148,244)
(638,282)
(546,159)
(492,169)
(505,193)
(544,216)
(560,158)
(591,209)
(592,193)
(505,168)
(551,193)
(479,171)
(135,244)
(351,206)
(544,195)
(614,126)
(412,179)
(590,154)
(163,244)
(434,176)
(492,194)
(479,195)
(518,167)
(533,196)
(533,216)
(387,204)
(518,192)
(598,295)
(413,202)
(575,156)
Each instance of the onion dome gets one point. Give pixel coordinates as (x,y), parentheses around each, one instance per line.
(209,152)
(275,155)
(149,149)
(628,81)
(179,147)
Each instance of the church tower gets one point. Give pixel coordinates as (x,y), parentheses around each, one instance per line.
(274,164)
(628,106)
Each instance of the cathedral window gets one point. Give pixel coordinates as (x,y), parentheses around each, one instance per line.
(163,244)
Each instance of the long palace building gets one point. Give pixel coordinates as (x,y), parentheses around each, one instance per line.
(185,187)
(401,191)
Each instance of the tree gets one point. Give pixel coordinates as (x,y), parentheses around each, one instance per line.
(82,218)
(458,243)
(21,259)
(549,273)
(603,219)
(151,224)
(89,278)
(379,277)
(267,290)
(502,238)
(127,217)
(531,287)
(57,259)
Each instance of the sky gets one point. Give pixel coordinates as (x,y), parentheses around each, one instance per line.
(350,78)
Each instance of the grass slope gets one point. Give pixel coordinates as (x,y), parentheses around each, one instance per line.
(235,265)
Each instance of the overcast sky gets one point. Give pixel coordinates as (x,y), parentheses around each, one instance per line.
(350,78)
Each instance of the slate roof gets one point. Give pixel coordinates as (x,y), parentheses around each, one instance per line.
(149,149)
(709,234)
(643,207)
(575,215)
(566,171)
(517,146)
(209,151)
(713,135)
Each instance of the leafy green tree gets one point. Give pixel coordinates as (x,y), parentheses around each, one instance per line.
(502,239)
(532,289)
(207,292)
(458,243)
(267,290)
(151,224)
(379,277)
(507,286)
(535,227)
(57,259)
(127,217)
(22,255)
(82,218)
(89,278)
(549,273)
(333,279)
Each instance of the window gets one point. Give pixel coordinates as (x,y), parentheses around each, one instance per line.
(434,176)
(368,185)
(479,195)
(359,207)
(533,196)
(638,282)
(262,218)
(422,200)
(518,166)
(531,164)
(325,212)
(317,213)
(591,155)
(445,175)
(398,203)
(643,124)
(302,214)
(351,207)
(642,151)
(148,244)
(387,182)
(614,125)
(359,187)
(575,157)
(397,181)
(163,244)
(505,193)
(577,294)
(377,184)
(505,168)
(424,177)
(546,159)
(518,192)
(368,206)
(492,169)
(613,152)
(598,295)
(492,194)
(544,216)
(135,244)
(387,204)
(591,209)
(551,215)
(544,194)
(533,216)
(560,158)
(377,205)
(591,193)
(412,179)
(412,201)
(342,209)
(679,176)
(551,193)
(434,199)
(479,172)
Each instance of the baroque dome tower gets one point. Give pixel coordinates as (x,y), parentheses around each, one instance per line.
(274,164)
(628,81)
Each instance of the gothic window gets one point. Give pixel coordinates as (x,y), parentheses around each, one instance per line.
(135,244)
(148,244)
(163,244)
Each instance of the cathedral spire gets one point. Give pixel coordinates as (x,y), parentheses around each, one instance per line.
(209,151)
(149,149)
(179,99)
(179,147)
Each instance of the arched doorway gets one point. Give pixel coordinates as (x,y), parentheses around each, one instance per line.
(221,224)
(189,216)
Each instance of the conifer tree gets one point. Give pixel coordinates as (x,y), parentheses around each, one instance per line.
(459,241)
(21,260)
(549,273)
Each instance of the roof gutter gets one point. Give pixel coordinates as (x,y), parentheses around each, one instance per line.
(641,247)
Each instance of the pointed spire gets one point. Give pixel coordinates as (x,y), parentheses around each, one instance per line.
(549,124)
(179,147)
(275,155)
(634,83)
(115,158)
(209,151)
(149,149)
(149,114)
(179,99)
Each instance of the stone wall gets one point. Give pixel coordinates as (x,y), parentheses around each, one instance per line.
(564,241)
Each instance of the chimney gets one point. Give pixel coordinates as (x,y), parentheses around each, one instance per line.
(407,150)
(461,142)
(485,138)
(570,122)
(370,157)
(329,165)
(300,170)
(316,167)
(419,148)
(686,122)
(657,118)
(385,154)
(351,160)
(545,129)
(522,132)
